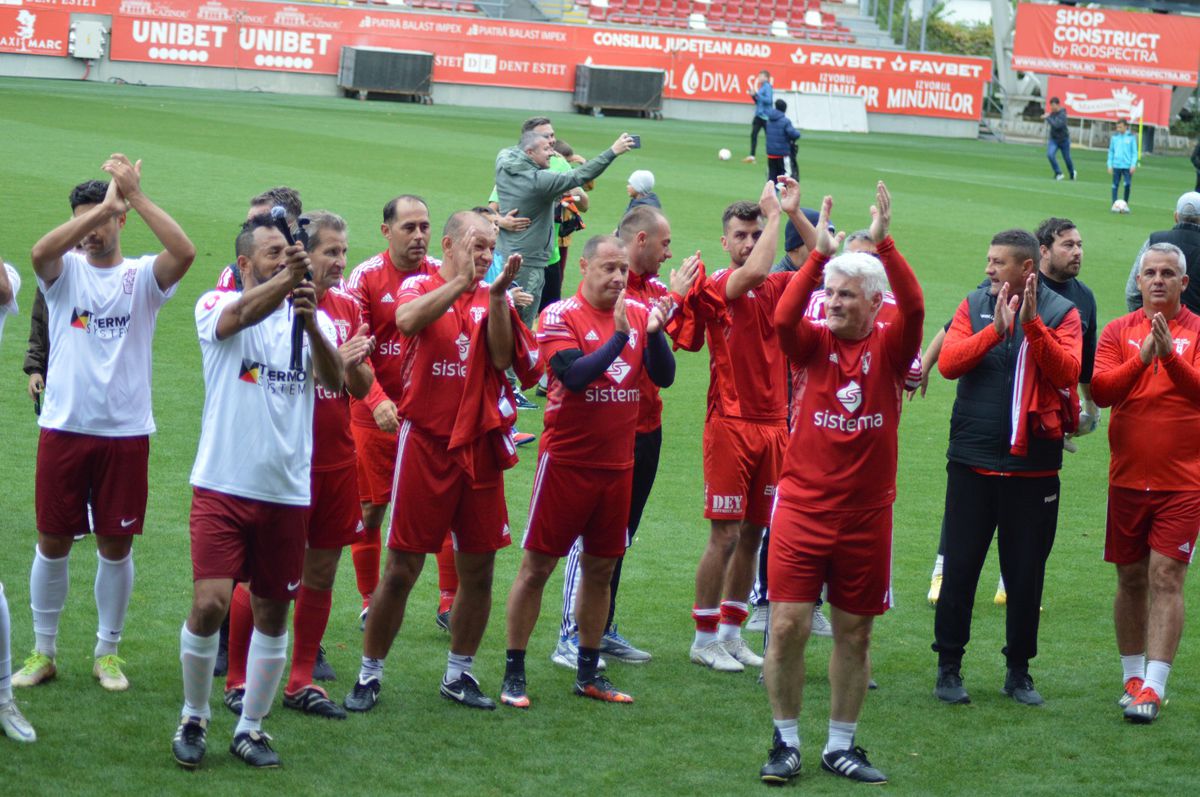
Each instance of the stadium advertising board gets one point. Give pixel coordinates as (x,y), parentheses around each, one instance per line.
(1100,99)
(308,39)
(1101,43)
(34,31)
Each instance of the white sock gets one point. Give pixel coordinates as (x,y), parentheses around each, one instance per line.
(789,732)
(728,631)
(1134,666)
(371,668)
(197,654)
(456,665)
(264,670)
(841,736)
(114,584)
(937,566)
(1157,673)
(704,638)
(5,651)
(48,584)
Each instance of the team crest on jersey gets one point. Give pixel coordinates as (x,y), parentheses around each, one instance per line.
(1181,345)
(866,363)
(127,280)
(343,330)
(618,371)
(633,338)
(850,396)
(477,313)
(464,344)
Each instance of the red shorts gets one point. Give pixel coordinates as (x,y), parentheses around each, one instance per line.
(1139,521)
(434,496)
(248,540)
(335,516)
(850,551)
(570,502)
(376,463)
(742,460)
(74,470)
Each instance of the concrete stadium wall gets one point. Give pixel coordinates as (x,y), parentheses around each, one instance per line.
(13,65)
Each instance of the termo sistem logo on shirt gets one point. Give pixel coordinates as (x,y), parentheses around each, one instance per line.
(103,327)
(276,381)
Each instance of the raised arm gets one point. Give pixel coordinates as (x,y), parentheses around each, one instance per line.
(415,314)
(500,337)
(754,271)
(797,335)
(904,343)
(556,183)
(1115,374)
(178,252)
(48,252)
(1057,351)
(263,299)
(327,363)
(354,353)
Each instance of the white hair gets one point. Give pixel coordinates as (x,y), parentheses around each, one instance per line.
(860,266)
(1166,249)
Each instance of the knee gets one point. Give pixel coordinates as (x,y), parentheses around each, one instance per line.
(1132,578)
(208,612)
(857,638)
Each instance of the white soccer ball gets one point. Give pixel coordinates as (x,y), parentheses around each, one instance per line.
(724,154)
(1120,206)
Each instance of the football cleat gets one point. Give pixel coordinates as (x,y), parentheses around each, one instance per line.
(852,764)
(523,438)
(783,763)
(600,688)
(312,699)
(15,726)
(363,696)
(38,669)
(523,403)
(1132,687)
(362,618)
(234,698)
(442,620)
(512,692)
(466,692)
(108,672)
(740,651)
(322,669)
(715,657)
(620,648)
(254,747)
(1144,708)
(566,654)
(190,742)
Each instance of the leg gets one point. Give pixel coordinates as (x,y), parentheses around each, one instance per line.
(447,581)
(12,721)
(241,629)
(1166,616)
(1028,519)
(646,450)
(571,577)
(312,614)
(48,583)
(367,552)
(113,586)
(389,601)
(593,599)
(1066,153)
(525,597)
(710,578)
(1128,184)
(1051,155)
(198,643)
(1131,607)
(783,665)
(849,664)
(473,603)
(755,127)
(1116,180)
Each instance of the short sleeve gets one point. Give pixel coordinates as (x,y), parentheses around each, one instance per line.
(553,326)
(208,311)
(146,284)
(14,279)
(413,288)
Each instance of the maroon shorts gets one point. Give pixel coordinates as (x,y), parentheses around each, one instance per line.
(376,463)
(742,460)
(1139,521)
(850,551)
(335,516)
(434,496)
(570,502)
(248,540)
(74,470)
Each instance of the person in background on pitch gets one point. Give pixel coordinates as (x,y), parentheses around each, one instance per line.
(1005,453)
(782,136)
(764,100)
(12,721)
(640,188)
(249,516)
(1186,235)
(1147,371)
(1059,138)
(1122,161)
(568,218)
(96,423)
(837,532)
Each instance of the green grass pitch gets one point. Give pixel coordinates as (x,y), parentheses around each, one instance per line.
(690,731)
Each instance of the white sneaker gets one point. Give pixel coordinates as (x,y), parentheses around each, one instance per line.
(820,623)
(15,726)
(715,657)
(566,654)
(739,650)
(758,618)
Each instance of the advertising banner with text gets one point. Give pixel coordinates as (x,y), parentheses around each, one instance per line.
(479,51)
(34,30)
(1101,43)
(1100,99)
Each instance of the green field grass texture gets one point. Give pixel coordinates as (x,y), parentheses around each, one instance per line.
(691,730)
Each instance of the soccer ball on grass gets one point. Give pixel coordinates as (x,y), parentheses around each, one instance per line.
(724,154)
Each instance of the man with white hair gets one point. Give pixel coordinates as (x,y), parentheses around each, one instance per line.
(1185,235)
(832,522)
(1147,371)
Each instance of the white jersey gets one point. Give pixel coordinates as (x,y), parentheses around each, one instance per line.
(101,323)
(257,431)
(6,310)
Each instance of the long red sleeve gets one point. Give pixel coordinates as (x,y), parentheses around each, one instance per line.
(1057,351)
(797,335)
(905,344)
(1114,375)
(375,396)
(963,349)
(1185,377)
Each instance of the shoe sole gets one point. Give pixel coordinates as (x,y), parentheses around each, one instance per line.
(456,701)
(1015,699)
(714,668)
(113,687)
(965,700)
(302,710)
(627,660)
(26,684)
(188,765)
(511,702)
(778,780)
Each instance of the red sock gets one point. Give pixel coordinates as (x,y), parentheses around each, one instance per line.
(366,563)
(312,615)
(241,626)
(733,613)
(447,575)
(706,619)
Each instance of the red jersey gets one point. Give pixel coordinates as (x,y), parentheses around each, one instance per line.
(647,289)
(433,363)
(225,280)
(842,451)
(747,371)
(593,428)
(1154,430)
(376,283)
(333,445)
